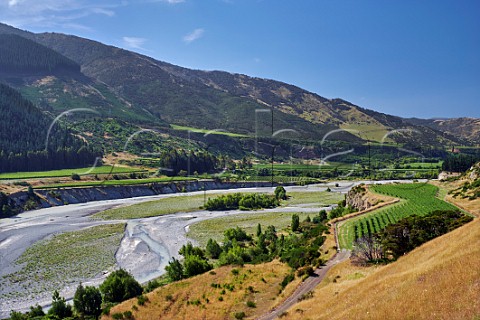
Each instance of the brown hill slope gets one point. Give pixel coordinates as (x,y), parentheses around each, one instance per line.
(468,128)
(439,280)
(220,294)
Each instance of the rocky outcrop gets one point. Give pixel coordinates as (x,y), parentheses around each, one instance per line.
(444,175)
(359,198)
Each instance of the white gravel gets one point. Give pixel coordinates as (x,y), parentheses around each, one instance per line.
(145,249)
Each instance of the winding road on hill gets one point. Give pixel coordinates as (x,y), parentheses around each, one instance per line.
(306,286)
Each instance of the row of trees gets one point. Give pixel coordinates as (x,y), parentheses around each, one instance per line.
(60,158)
(407,234)
(247,201)
(173,161)
(341,210)
(459,162)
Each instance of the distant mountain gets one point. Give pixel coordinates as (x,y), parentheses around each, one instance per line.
(466,128)
(142,90)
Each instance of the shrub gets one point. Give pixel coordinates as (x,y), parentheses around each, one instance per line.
(306,296)
(251,304)
(287,279)
(119,286)
(174,270)
(213,249)
(75,177)
(280,193)
(295,222)
(142,299)
(239,315)
(117,315)
(305,271)
(152,285)
(194,265)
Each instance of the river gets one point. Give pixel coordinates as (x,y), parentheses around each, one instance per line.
(147,246)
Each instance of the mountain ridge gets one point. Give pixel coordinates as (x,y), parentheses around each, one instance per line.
(229,101)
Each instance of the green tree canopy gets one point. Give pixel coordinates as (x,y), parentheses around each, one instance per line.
(174,270)
(88,301)
(59,308)
(119,286)
(213,249)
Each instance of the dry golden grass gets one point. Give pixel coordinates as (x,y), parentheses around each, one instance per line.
(472,206)
(171,301)
(438,280)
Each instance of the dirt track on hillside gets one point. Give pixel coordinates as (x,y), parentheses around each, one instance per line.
(308,285)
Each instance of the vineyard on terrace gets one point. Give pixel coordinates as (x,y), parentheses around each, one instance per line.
(416,199)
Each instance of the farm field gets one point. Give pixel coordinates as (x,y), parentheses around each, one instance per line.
(375,131)
(197,130)
(120,182)
(282,179)
(416,199)
(428,165)
(301,166)
(68,172)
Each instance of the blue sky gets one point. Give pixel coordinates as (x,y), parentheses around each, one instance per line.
(407,58)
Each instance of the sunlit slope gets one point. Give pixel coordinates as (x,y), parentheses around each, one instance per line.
(219,294)
(439,280)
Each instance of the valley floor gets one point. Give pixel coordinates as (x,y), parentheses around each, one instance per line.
(147,245)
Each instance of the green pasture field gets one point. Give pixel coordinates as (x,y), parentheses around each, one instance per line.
(425,165)
(120,182)
(68,172)
(196,130)
(300,167)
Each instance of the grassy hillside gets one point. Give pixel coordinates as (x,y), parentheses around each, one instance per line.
(439,280)
(215,295)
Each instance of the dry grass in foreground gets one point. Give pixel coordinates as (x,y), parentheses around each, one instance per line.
(215,295)
(438,280)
